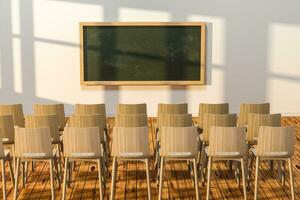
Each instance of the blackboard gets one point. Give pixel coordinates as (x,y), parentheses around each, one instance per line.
(141,53)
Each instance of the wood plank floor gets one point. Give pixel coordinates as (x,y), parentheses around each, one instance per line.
(131,179)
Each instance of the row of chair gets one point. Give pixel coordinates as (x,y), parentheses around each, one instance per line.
(177,138)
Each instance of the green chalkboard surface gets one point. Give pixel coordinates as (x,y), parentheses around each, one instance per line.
(141,54)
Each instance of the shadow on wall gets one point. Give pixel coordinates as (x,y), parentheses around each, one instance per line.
(246,51)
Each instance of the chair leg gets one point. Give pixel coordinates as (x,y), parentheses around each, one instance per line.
(256,178)
(283,173)
(161,177)
(148,178)
(196,178)
(244,175)
(69,174)
(59,161)
(17,168)
(23,174)
(3,179)
(57,171)
(113,178)
(100,178)
(208,178)
(52,179)
(291,178)
(65,178)
(11,172)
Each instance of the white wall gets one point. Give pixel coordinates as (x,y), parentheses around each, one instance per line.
(253,52)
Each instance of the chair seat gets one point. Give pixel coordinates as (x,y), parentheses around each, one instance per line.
(275,154)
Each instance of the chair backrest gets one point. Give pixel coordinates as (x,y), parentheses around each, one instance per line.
(2,154)
(276,141)
(16,110)
(33,143)
(227,142)
(221,108)
(131,142)
(181,108)
(82,142)
(174,120)
(84,121)
(44,121)
(91,109)
(131,109)
(7,129)
(179,141)
(51,109)
(257,120)
(139,120)
(246,108)
(224,120)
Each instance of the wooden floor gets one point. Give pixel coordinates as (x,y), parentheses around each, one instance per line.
(131,180)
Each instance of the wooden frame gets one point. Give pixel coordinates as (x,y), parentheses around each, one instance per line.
(202,53)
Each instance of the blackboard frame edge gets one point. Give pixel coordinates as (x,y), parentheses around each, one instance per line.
(202,66)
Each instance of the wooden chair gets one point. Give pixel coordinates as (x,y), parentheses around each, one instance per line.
(83,121)
(138,120)
(95,109)
(51,122)
(178,143)
(131,109)
(16,110)
(170,120)
(82,144)
(245,109)
(130,143)
(222,108)
(210,120)
(275,143)
(34,144)
(227,143)
(5,157)
(51,109)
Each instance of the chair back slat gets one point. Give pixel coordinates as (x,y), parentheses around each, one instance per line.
(51,109)
(227,142)
(221,108)
(257,120)
(33,143)
(276,141)
(84,121)
(16,110)
(44,121)
(224,120)
(130,142)
(246,108)
(139,120)
(7,129)
(91,109)
(181,108)
(131,109)
(82,142)
(179,141)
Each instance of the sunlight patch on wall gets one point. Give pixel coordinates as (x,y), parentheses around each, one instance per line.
(216,29)
(15,16)
(284,49)
(63,23)
(17,65)
(283,67)
(133,14)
